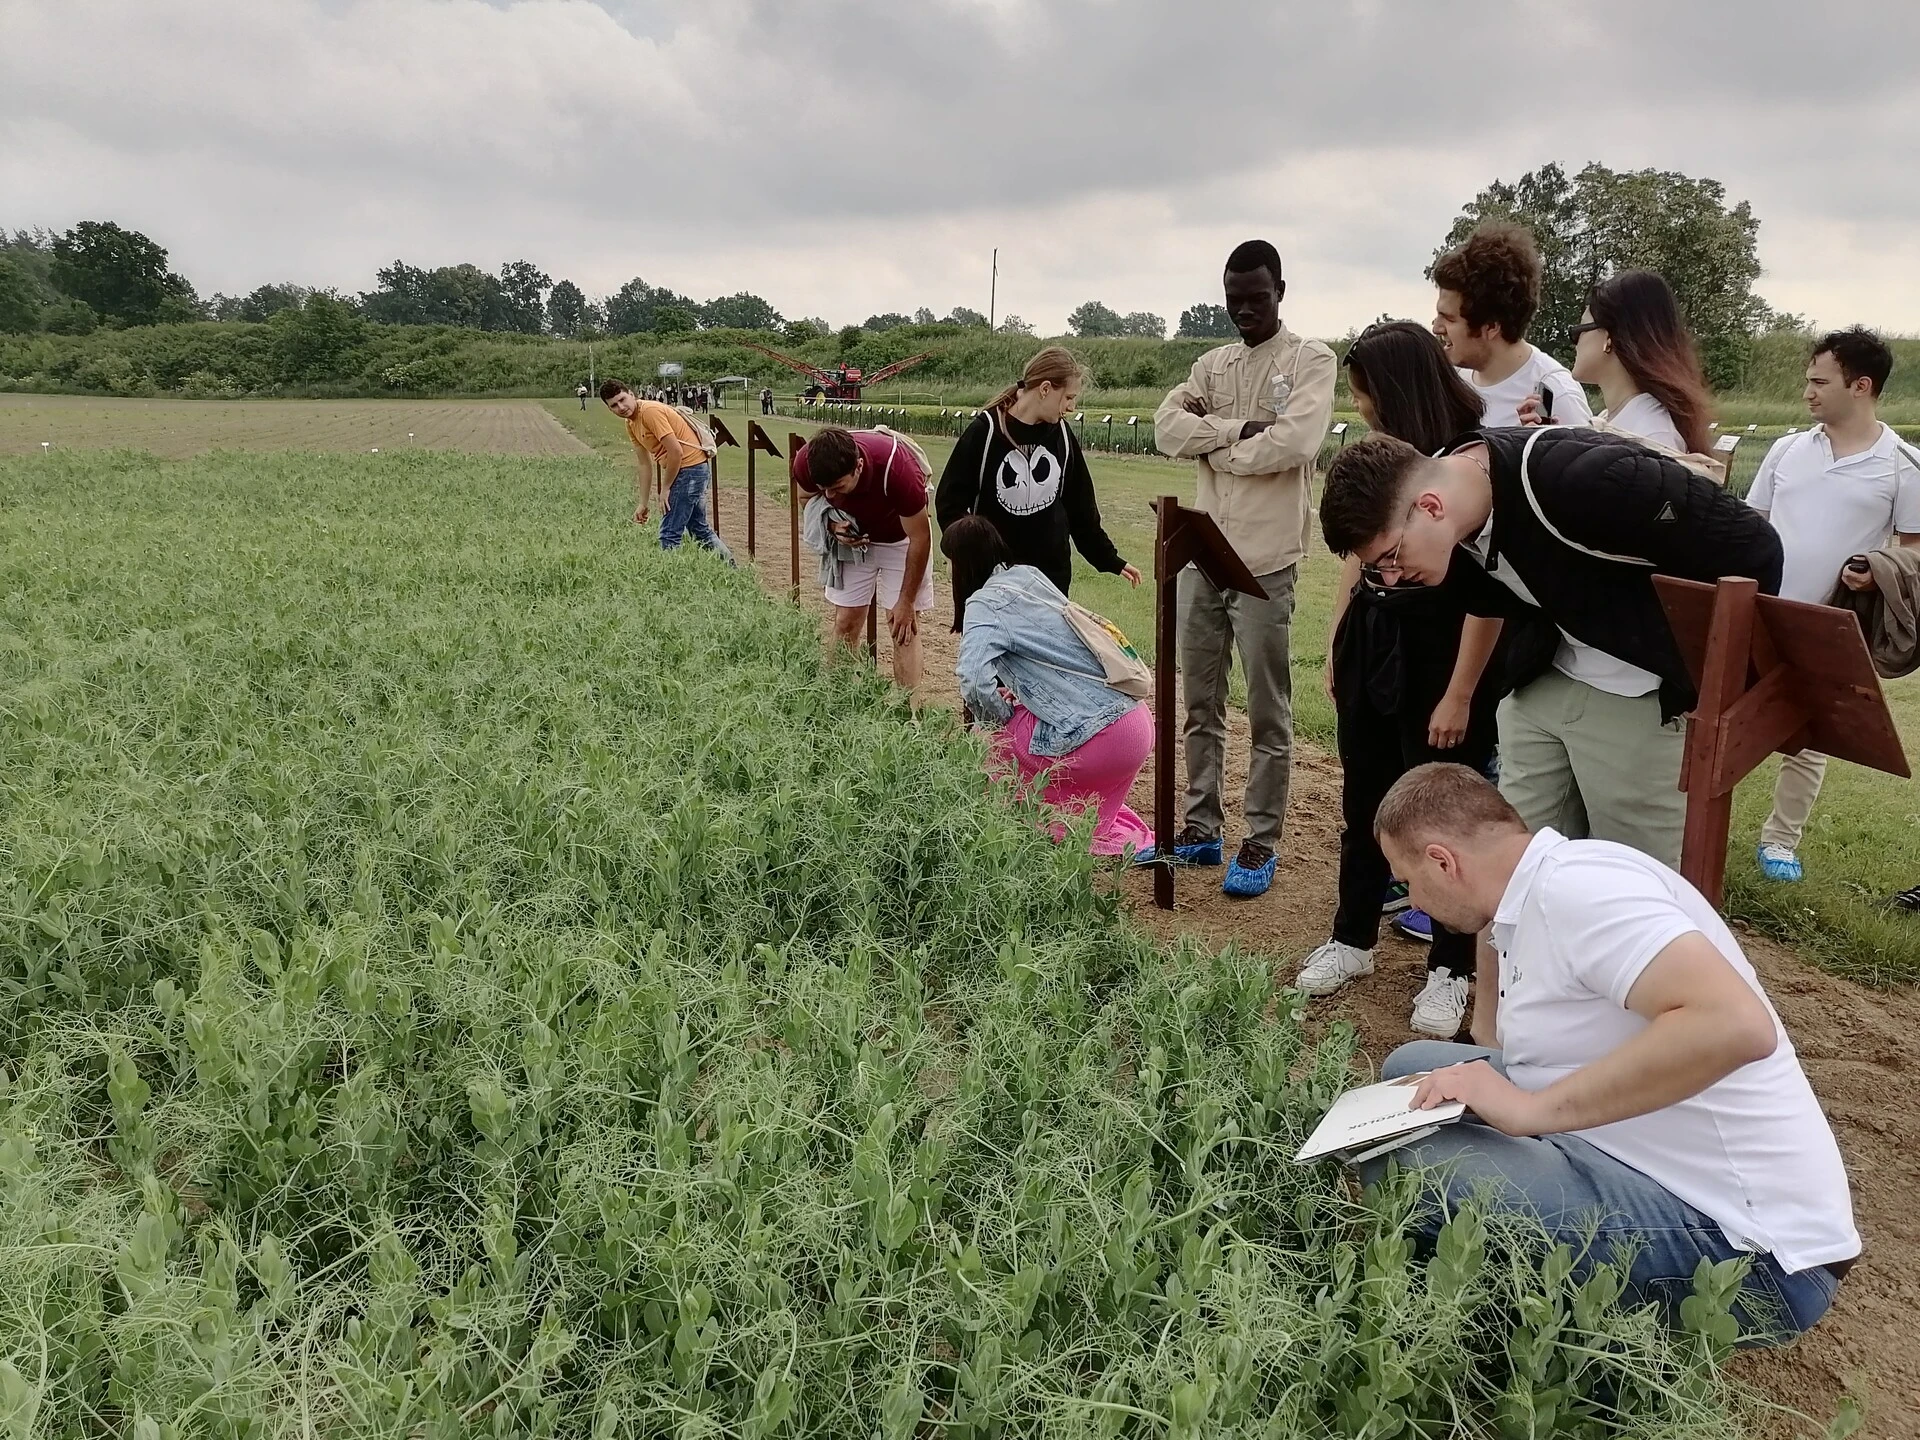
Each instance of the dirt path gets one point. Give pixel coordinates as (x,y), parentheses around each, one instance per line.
(1856,1044)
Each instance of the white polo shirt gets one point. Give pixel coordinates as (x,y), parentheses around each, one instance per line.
(1827,510)
(1579,922)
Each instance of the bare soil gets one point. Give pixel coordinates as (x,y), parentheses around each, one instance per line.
(1856,1044)
(179,428)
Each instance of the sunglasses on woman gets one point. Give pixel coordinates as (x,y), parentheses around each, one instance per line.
(1582,328)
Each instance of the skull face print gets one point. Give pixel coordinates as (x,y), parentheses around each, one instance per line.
(1027,484)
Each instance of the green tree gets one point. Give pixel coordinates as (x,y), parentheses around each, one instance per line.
(19,299)
(673,320)
(314,341)
(524,287)
(1013,325)
(891,320)
(120,273)
(972,319)
(1602,221)
(924,316)
(267,301)
(1093,319)
(1145,325)
(69,317)
(1206,322)
(739,312)
(566,309)
(799,332)
(630,309)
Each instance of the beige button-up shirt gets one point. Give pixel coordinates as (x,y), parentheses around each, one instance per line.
(1257,490)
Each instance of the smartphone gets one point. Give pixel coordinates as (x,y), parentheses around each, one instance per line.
(1546,403)
(1859,565)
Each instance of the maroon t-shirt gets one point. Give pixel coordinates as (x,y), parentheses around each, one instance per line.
(886,490)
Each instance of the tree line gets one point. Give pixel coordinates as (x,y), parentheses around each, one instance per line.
(1588,225)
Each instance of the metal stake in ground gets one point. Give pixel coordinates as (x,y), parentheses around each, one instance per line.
(794,442)
(721,436)
(1182,537)
(757,440)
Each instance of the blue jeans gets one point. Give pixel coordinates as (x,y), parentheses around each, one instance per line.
(687,512)
(1572,1186)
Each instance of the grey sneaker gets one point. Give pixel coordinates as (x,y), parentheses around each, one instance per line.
(1441,1008)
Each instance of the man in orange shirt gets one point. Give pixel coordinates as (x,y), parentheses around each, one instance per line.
(661,434)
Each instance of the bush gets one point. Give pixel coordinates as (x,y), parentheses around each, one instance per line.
(69,317)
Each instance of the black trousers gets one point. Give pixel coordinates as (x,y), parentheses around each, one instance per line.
(1376,749)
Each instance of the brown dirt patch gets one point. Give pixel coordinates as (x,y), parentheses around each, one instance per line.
(179,428)
(1856,1043)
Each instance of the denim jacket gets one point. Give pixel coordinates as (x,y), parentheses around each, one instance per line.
(1017,635)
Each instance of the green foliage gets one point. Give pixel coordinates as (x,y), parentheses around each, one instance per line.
(19,298)
(1092,319)
(309,343)
(452,988)
(968,319)
(632,309)
(739,312)
(1206,322)
(120,273)
(891,320)
(69,317)
(1602,221)
(567,309)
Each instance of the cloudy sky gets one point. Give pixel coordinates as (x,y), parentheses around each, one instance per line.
(842,157)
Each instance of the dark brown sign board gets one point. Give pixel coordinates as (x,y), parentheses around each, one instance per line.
(1182,537)
(1773,675)
(758,441)
(721,436)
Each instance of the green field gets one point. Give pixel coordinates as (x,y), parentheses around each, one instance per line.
(1862,846)
(468,973)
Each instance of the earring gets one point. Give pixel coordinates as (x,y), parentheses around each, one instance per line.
(1607,349)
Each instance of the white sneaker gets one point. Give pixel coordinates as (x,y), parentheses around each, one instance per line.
(1441,1008)
(1332,966)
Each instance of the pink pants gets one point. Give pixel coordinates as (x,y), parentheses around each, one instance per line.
(1099,773)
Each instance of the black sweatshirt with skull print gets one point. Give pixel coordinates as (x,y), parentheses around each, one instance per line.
(1032,482)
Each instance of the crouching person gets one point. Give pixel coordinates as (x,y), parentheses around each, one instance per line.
(1630,1074)
(1026,672)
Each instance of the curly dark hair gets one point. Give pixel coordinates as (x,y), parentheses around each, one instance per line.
(831,455)
(1496,274)
(611,387)
(1366,487)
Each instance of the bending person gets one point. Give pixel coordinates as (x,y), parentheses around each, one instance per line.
(1025,672)
(1632,1087)
(662,436)
(879,482)
(1019,466)
(1409,675)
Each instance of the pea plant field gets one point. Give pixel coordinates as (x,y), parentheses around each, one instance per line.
(467,973)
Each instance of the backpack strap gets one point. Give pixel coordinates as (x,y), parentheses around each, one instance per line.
(1526,485)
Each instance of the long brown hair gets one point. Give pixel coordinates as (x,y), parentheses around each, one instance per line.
(1642,319)
(974,550)
(1055,363)
(1417,395)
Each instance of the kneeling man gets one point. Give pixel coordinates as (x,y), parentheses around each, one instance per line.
(1634,1074)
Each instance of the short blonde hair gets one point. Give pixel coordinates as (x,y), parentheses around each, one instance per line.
(1442,801)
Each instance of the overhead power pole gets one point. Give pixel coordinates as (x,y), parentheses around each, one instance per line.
(993,287)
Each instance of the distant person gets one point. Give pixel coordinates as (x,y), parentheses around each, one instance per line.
(583,392)
(1631,1087)
(1026,674)
(766,399)
(661,435)
(1252,417)
(1488,292)
(1018,466)
(1633,345)
(1846,486)
(1411,680)
(878,481)
(1572,524)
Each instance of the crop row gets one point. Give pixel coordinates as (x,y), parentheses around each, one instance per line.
(466,973)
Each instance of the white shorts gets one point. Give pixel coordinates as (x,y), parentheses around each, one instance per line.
(884,567)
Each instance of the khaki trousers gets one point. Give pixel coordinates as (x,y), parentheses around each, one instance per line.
(1212,623)
(1793,796)
(1594,765)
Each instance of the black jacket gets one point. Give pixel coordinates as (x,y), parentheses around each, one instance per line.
(1586,519)
(1036,502)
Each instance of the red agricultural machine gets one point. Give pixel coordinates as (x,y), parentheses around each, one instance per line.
(845,381)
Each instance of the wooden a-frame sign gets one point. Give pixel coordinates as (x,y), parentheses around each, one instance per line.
(1773,675)
(721,436)
(758,441)
(1182,537)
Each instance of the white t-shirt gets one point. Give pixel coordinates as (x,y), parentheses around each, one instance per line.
(1575,659)
(1503,400)
(1650,420)
(1579,922)
(1828,510)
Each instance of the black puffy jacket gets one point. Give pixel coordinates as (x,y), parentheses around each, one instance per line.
(1587,518)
